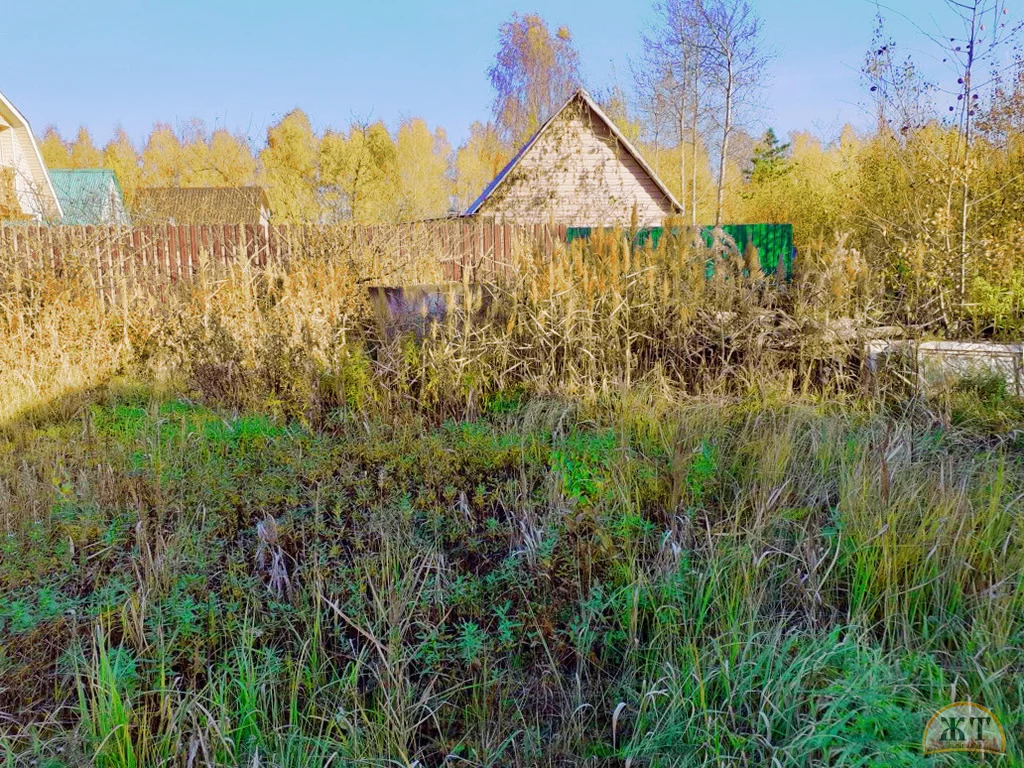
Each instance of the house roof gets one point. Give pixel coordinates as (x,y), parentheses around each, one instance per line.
(580,95)
(19,124)
(85,194)
(200,205)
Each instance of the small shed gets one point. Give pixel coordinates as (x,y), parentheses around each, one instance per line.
(26,192)
(578,169)
(90,196)
(201,205)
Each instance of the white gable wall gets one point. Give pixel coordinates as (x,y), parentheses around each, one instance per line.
(33,182)
(7,145)
(18,151)
(576,173)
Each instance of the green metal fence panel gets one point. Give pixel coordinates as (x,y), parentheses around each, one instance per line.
(577,233)
(774,243)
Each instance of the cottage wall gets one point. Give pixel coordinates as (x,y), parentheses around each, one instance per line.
(33,187)
(577,173)
(24,167)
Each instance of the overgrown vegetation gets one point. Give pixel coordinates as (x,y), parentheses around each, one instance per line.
(609,510)
(625,506)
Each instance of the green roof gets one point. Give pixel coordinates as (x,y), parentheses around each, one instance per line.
(89,196)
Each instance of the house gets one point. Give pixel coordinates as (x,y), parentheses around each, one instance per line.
(201,205)
(26,193)
(578,169)
(90,196)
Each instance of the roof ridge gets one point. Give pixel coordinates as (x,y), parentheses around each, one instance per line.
(80,170)
(207,186)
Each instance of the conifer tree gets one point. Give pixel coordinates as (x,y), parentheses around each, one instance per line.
(769,161)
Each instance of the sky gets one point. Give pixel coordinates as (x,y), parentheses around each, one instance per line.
(243,64)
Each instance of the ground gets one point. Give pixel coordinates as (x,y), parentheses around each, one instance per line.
(661,581)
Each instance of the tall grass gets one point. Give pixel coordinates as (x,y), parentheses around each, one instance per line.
(607,511)
(306,335)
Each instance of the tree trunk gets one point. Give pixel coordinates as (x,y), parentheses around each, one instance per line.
(968,108)
(965,203)
(693,158)
(682,161)
(724,154)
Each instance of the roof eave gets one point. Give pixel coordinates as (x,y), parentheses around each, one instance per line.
(510,166)
(628,146)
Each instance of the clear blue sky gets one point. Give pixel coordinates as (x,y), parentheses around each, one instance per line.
(242,65)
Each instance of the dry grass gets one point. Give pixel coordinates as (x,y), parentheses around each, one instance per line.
(608,510)
(597,316)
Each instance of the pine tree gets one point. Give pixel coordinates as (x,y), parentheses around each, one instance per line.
(770,160)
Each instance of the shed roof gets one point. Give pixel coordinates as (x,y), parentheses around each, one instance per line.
(201,205)
(580,95)
(85,194)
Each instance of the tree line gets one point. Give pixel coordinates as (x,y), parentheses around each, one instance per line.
(369,173)
(927,201)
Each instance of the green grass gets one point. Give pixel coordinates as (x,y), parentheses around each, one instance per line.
(708,582)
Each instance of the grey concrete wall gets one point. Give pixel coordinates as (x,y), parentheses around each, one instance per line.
(937,364)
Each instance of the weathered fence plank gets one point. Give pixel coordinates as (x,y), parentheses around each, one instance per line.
(144,257)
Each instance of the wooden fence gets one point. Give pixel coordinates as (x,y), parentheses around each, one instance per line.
(421,252)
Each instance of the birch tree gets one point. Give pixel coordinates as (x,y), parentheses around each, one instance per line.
(534,72)
(673,78)
(84,153)
(54,149)
(119,155)
(978,46)
(975,56)
(478,161)
(735,59)
(424,160)
(289,169)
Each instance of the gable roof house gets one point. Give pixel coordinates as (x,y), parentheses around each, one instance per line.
(26,192)
(201,205)
(578,169)
(90,196)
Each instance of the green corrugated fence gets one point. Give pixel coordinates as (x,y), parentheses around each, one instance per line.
(774,243)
